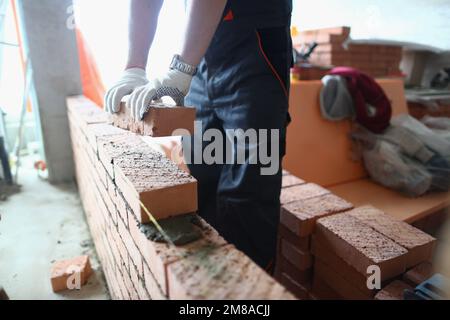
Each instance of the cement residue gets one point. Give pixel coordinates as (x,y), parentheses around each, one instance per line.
(181,230)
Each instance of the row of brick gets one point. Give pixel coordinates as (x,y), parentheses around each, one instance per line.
(374,59)
(326,248)
(114,169)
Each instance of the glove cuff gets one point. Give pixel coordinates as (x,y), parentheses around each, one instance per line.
(139,72)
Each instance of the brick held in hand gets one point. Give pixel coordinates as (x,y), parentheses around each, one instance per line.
(222,273)
(393,291)
(300,216)
(161,120)
(62,270)
(360,245)
(419,244)
(301,192)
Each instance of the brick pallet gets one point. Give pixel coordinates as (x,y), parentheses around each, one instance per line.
(115,172)
(325,247)
(302,204)
(374,59)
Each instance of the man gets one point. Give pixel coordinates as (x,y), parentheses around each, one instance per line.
(234,69)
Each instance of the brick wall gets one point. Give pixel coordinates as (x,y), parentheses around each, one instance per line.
(115,171)
(377,60)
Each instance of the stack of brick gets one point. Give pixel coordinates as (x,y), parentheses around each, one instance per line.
(335,49)
(351,247)
(116,173)
(302,204)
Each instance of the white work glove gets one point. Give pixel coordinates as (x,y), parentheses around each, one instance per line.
(174,84)
(131,79)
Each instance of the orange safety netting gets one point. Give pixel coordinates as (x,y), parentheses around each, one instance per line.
(91,81)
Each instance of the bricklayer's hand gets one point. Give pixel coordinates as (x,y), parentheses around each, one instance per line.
(174,84)
(130,80)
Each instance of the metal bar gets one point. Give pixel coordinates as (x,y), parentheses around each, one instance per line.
(9,44)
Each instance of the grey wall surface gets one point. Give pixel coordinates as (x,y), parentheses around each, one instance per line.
(52,50)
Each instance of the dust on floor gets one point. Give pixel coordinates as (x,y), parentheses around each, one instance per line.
(40,224)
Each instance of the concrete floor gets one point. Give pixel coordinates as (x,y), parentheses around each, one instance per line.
(39,225)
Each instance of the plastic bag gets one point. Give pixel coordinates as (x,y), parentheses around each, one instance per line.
(387,166)
(432,140)
(400,159)
(439,123)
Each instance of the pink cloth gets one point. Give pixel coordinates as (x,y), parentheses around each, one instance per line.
(364,90)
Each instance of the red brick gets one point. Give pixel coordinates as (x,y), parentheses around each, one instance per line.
(142,292)
(221,273)
(418,274)
(152,286)
(300,217)
(338,283)
(302,277)
(420,245)
(290,181)
(341,268)
(159,255)
(322,291)
(144,175)
(294,287)
(393,291)
(301,243)
(301,260)
(360,245)
(161,120)
(132,249)
(3,294)
(301,192)
(96,130)
(62,270)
